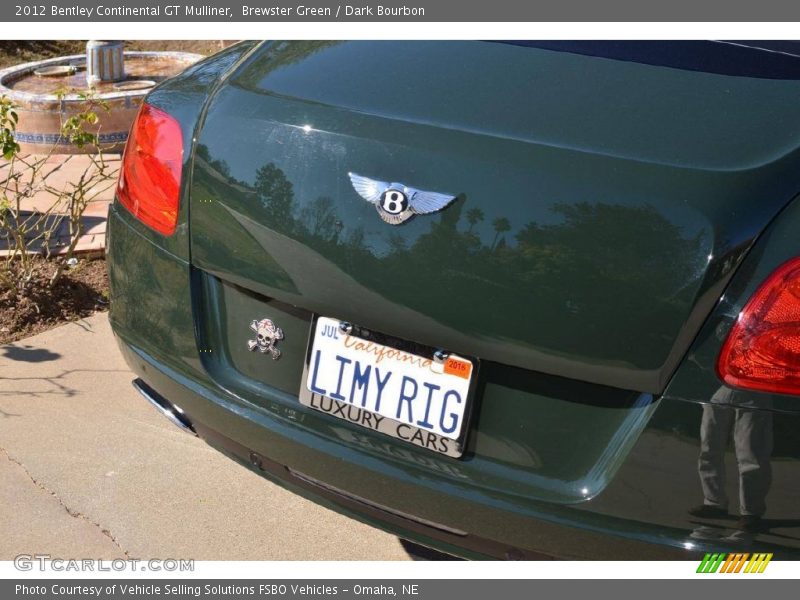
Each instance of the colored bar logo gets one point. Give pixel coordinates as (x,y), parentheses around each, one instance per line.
(734,563)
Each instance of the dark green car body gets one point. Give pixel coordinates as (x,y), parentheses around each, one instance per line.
(628,208)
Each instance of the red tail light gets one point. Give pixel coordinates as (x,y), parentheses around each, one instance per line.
(762,351)
(150,178)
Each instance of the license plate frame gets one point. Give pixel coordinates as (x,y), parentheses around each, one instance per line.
(406,433)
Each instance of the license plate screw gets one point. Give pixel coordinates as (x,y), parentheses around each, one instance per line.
(346,327)
(440,356)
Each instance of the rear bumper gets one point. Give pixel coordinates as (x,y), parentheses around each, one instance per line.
(439,519)
(472,530)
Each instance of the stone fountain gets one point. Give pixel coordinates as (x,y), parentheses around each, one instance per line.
(47,92)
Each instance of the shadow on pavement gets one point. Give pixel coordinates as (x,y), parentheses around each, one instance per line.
(29,354)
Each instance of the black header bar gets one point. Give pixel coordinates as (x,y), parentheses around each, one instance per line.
(268,11)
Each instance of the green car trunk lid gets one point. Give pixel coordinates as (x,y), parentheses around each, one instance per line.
(601,204)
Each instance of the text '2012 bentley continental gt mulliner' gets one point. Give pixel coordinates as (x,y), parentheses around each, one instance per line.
(506,300)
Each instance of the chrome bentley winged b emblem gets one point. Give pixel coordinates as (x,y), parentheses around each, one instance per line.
(395,202)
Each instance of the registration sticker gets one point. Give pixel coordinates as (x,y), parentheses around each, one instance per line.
(419,396)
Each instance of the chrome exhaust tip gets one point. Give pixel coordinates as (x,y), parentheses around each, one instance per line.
(172,412)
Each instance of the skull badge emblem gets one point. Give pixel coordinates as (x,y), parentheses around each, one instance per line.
(267,335)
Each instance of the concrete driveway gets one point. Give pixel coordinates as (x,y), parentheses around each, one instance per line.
(89,470)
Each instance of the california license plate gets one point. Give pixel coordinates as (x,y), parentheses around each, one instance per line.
(392,387)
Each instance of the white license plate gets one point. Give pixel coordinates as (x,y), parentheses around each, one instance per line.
(408,396)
